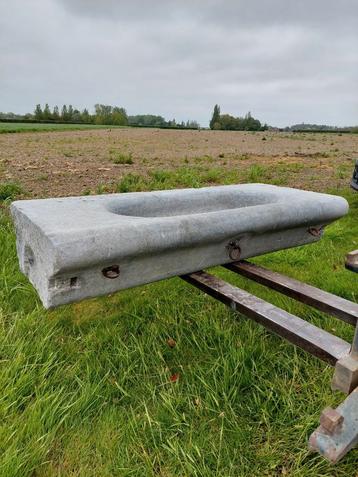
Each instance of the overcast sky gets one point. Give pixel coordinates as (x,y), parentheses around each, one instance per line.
(286,61)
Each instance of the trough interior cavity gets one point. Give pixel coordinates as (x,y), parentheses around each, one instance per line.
(196,203)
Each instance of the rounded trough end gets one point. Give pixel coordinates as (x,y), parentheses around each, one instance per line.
(344,206)
(337,207)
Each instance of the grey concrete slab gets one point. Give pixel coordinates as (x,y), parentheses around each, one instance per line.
(78,247)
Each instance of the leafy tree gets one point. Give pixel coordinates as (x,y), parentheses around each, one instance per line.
(119,116)
(38,112)
(192,125)
(76,116)
(85,116)
(46,112)
(64,113)
(147,120)
(228,122)
(215,117)
(70,113)
(55,113)
(105,114)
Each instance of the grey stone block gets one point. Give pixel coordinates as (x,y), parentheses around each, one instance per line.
(78,247)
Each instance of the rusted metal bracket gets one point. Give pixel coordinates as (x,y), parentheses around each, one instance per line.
(338,432)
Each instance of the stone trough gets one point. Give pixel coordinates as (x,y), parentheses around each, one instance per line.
(78,247)
(81,247)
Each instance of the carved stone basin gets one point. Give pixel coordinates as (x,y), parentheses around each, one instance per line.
(78,247)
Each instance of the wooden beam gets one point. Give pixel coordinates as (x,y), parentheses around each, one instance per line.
(316,341)
(334,305)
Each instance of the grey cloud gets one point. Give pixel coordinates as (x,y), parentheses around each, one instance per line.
(233,13)
(286,61)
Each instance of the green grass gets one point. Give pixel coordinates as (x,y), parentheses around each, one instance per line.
(45,127)
(195,176)
(9,190)
(122,158)
(256,173)
(86,389)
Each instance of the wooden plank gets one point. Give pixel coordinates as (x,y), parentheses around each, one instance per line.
(318,342)
(334,305)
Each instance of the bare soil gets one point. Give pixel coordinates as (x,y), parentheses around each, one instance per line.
(76,162)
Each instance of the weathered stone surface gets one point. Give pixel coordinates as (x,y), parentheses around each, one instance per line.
(79,247)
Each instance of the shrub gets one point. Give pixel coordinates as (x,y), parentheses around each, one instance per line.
(122,158)
(256,173)
(9,190)
(131,183)
(160,177)
(212,175)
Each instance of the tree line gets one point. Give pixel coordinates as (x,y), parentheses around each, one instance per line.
(231,123)
(103,114)
(320,127)
(148,120)
(115,115)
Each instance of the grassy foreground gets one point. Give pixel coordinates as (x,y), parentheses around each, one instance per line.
(47,127)
(96,389)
